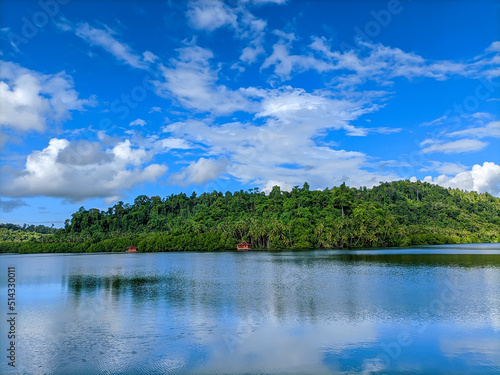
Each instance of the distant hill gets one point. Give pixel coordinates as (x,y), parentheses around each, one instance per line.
(399,213)
(14,232)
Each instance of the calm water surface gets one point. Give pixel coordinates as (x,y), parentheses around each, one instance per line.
(433,310)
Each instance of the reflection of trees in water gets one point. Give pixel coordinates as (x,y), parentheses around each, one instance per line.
(299,285)
(173,287)
(408,260)
(176,288)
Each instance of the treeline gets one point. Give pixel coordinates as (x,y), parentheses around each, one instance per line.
(42,229)
(151,242)
(14,232)
(399,213)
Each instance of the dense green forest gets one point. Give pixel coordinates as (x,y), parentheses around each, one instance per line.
(399,213)
(13,232)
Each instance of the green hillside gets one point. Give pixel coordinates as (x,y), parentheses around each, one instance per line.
(399,213)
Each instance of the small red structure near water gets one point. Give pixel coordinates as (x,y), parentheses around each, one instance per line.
(243,246)
(131,249)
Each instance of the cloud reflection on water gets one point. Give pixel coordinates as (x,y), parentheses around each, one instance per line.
(311,312)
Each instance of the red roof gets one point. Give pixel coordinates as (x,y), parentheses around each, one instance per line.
(244,243)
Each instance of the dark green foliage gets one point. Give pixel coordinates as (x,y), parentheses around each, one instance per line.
(399,213)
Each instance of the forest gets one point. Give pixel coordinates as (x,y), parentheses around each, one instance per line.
(400,213)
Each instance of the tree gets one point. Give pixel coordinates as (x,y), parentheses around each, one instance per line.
(343,198)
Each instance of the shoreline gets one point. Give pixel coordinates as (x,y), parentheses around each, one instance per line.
(377,248)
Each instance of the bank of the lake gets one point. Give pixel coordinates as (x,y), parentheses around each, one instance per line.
(432,309)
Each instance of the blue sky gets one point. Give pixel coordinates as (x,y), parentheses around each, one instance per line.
(104,101)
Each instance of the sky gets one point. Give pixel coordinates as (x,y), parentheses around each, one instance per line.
(102,101)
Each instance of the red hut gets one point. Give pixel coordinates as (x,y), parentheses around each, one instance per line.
(243,246)
(131,249)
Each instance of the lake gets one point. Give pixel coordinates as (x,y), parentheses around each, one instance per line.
(418,310)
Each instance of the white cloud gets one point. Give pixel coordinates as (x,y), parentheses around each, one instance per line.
(29,100)
(125,155)
(485,178)
(491,129)
(250,54)
(106,40)
(83,153)
(267,1)
(363,132)
(149,57)
(282,143)
(482,115)
(282,149)
(210,15)
(284,63)
(174,143)
(64,24)
(313,112)
(471,136)
(285,37)
(445,167)
(375,62)
(455,147)
(191,80)
(81,170)
(476,118)
(138,122)
(387,63)
(201,171)
(268,186)
(488,62)
(437,121)
(494,47)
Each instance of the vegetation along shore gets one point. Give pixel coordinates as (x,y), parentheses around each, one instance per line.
(400,213)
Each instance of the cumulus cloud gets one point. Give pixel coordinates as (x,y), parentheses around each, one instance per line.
(83,153)
(481,178)
(30,100)
(81,170)
(201,171)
